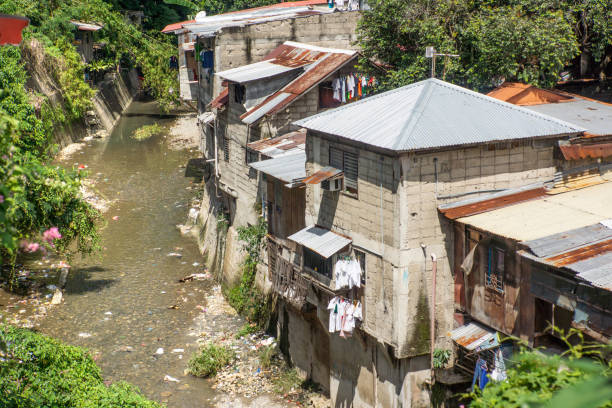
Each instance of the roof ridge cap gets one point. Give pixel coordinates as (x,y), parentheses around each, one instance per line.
(416,114)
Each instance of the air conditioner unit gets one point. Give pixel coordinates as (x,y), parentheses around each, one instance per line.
(332,185)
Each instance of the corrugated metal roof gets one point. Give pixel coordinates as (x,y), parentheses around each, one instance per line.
(596,270)
(290,167)
(321,240)
(323,63)
(259,70)
(474,336)
(524,95)
(324,174)
(566,240)
(221,99)
(86,26)
(550,215)
(276,146)
(175,26)
(595,117)
(432,114)
(593,149)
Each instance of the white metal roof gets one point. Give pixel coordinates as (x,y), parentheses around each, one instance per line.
(289,167)
(258,70)
(432,114)
(321,240)
(553,214)
(595,117)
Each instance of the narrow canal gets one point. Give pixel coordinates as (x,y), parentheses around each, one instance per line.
(127,304)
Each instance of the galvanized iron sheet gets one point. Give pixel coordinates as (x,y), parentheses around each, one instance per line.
(289,168)
(595,117)
(320,240)
(474,336)
(433,114)
(324,174)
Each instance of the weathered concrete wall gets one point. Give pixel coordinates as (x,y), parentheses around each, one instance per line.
(424,231)
(237,46)
(114,95)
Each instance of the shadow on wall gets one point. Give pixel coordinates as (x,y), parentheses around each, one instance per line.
(327,208)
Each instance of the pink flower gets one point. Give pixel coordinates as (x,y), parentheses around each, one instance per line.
(51,234)
(1,198)
(30,246)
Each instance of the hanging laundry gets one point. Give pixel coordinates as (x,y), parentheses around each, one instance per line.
(499,370)
(343,314)
(206,58)
(343,81)
(337,87)
(480,374)
(347,273)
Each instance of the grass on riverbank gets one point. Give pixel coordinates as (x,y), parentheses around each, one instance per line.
(38,371)
(210,359)
(147,131)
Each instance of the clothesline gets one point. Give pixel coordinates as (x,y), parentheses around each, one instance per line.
(352,86)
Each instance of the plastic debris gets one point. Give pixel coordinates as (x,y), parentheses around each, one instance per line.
(168,378)
(175,254)
(84,335)
(178,350)
(159,351)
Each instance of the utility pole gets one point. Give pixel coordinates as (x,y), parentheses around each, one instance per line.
(430,52)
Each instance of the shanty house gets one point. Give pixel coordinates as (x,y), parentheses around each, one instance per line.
(376,171)
(535,256)
(84,39)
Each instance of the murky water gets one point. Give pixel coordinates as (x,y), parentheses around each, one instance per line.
(118,305)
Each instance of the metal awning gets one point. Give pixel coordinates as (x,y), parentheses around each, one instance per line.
(320,240)
(290,167)
(326,173)
(474,336)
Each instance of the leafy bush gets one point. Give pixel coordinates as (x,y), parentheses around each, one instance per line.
(208,361)
(147,131)
(440,357)
(38,371)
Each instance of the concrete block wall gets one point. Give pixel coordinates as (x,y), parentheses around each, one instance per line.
(424,231)
(237,46)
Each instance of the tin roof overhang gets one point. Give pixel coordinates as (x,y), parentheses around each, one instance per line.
(289,168)
(320,240)
(474,336)
(326,173)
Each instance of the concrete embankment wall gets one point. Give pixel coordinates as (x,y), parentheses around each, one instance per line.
(113,96)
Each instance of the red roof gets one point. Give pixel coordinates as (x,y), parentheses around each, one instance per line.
(524,95)
(10,28)
(176,26)
(221,100)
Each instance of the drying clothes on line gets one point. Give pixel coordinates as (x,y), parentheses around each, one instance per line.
(337,87)
(206,58)
(352,86)
(499,370)
(347,273)
(342,315)
(480,374)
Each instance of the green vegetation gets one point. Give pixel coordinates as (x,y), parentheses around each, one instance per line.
(496,39)
(147,131)
(248,328)
(440,357)
(37,371)
(538,380)
(266,354)
(208,361)
(245,297)
(287,381)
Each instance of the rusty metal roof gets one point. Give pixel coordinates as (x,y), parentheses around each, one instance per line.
(221,100)
(586,251)
(324,174)
(587,147)
(280,145)
(474,336)
(521,94)
(318,64)
(175,26)
(320,240)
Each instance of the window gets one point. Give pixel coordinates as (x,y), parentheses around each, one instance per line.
(317,263)
(495,268)
(361,258)
(239,93)
(252,156)
(348,163)
(226,148)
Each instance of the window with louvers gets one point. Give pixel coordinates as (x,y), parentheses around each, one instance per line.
(226,149)
(348,163)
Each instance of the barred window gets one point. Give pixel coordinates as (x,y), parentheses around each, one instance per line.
(348,163)
(495,268)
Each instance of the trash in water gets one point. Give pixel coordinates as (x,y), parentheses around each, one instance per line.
(51,287)
(115,218)
(57,297)
(178,350)
(84,335)
(195,276)
(159,351)
(168,378)
(195,264)
(108,313)
(175,254)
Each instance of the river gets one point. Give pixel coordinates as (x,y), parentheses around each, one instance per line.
(118,304)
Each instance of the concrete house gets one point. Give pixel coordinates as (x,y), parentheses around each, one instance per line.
(230,40)
(376,172)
